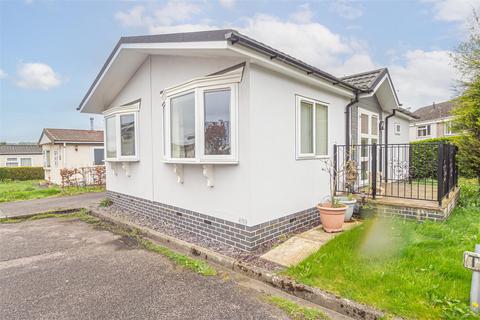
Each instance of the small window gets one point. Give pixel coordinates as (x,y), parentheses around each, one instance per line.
(364,123)
(423,131)
(25,162)
(448,128)
(98,156)
(397,128)
(121,132)
(182,126)
(312,128)
(46,158)
(11,162)
(217,122)
(110,128)
(55,158)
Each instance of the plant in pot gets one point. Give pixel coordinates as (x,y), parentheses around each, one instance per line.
(350,173)
(332,212)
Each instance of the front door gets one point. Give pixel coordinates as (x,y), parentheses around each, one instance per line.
(367,135)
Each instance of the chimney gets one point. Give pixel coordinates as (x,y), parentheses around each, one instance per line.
(91,123)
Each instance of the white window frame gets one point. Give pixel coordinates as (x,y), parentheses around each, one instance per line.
(9,161)
(424,127)
(200,156)
(447,128)
(397,128)
(132,108)
(47,160)
(93,155)
(313,155)
(26,158)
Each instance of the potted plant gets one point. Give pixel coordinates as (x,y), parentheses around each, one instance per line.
(366,210)
(350,179)
(332,212)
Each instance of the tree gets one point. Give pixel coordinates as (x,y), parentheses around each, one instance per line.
(467,110)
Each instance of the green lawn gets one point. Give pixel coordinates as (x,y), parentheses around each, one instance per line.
(414,270)
(26,190)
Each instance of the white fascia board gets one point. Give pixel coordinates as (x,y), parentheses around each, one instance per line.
(293,72)
(147,46)
(433,121)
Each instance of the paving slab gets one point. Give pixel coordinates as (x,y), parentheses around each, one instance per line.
(300,246)
(29,207)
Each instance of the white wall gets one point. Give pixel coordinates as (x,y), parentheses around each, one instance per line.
(267,183)
(37,159)
(281,184)
(404,136)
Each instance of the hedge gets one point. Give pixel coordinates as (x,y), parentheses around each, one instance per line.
(424,160)
(21,173)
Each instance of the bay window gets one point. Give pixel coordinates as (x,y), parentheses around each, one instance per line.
(312,129)
(121,133)
(201,125)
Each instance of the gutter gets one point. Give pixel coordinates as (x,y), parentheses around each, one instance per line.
(386,143)
(348,108)
(235,37)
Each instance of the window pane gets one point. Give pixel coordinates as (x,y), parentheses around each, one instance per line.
(127,134)
(111,139)
(321,130)
(374,125)
(364,123)
(26,162)
(364,146)
(46,160)
(98,156)
(217,122)
(306,127)
(182,126)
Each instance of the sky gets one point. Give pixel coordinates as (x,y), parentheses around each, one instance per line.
(51,51)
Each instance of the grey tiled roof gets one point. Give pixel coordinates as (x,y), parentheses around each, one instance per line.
(13,149)
(74,135)
(435,111)
(365,80)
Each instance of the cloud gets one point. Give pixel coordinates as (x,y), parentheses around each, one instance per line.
(37,76)
(420,77)
(346,9)
(455,11)
(424,77)
(302,15)
(3,74)
(173,12)
(229,4)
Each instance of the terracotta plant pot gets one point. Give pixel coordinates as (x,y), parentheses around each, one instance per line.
(332,218)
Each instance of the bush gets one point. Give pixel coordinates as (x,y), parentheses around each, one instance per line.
(422,156)
(21,173)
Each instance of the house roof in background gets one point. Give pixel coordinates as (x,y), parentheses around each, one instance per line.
(435,111)
(13,149)
(366,80)
(73,135)
(408,113)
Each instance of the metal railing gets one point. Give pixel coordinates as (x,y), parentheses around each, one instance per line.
(422,171)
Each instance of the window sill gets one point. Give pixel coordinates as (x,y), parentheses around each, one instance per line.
(123,160)
(312,157)
(199,162)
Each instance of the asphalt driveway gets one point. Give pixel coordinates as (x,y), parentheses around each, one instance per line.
(66,269)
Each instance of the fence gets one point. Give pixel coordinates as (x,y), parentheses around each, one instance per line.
(425,171)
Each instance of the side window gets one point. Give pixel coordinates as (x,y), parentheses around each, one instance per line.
(312,128)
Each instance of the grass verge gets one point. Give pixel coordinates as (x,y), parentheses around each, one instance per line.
(409,269)
(295,311)
(129,236)
(31,189)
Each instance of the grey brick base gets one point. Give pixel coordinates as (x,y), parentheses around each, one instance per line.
(243,237)
(417,212)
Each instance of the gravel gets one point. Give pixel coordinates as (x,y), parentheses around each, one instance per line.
(164,227)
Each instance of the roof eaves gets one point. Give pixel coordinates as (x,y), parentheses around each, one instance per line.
(235,37)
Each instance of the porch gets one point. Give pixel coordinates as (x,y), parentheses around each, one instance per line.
(417,181)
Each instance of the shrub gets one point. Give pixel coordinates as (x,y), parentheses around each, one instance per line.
(422,157)
(21,173)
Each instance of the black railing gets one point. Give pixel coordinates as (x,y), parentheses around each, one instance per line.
(423,171)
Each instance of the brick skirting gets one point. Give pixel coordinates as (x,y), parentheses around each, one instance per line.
(419,213)
(243,237)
